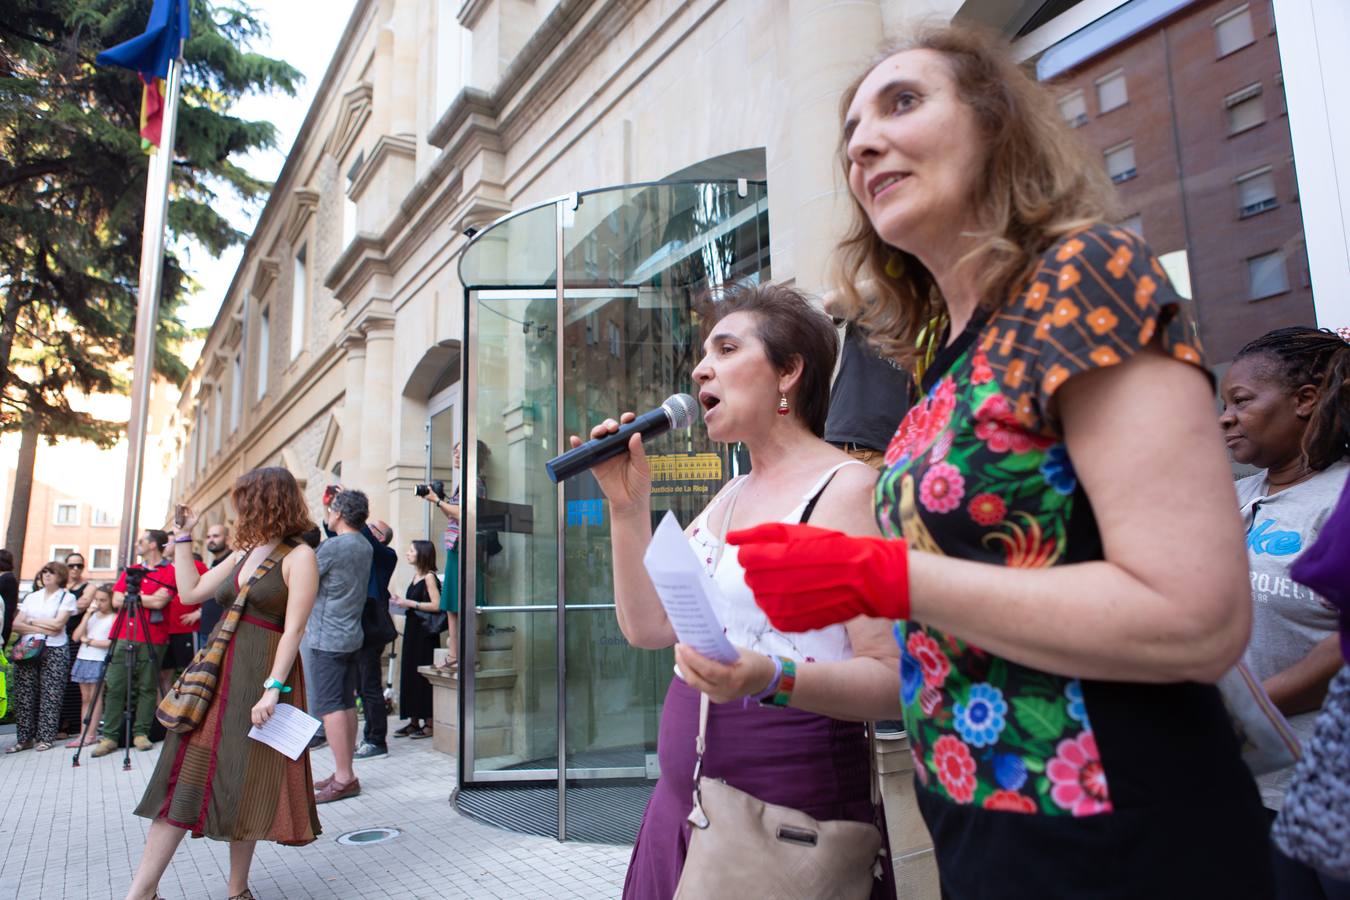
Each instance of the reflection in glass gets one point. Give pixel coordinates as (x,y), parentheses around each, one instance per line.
(515,563)
(515,716)
(1199,146)
(637,262)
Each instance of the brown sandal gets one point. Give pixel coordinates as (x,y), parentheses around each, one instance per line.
(19,747)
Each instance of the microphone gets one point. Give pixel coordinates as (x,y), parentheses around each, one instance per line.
(677,412)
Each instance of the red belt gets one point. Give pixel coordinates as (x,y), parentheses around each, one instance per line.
(261,623)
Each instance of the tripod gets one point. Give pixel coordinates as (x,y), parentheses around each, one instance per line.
(132,621)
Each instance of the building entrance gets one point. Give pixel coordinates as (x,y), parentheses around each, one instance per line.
(577,310)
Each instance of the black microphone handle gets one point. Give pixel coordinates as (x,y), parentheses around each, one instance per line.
(650,424)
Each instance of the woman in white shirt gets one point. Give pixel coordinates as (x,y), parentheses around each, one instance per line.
(785,722)
(40,682)
(93,638)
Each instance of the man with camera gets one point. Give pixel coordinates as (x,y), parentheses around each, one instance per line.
(378,630)
(334,636)
(158,587)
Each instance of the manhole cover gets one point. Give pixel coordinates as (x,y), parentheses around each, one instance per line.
(366,836)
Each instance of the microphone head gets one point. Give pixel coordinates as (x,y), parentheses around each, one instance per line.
(682,410)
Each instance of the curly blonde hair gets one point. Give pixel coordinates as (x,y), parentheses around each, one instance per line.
(1040,183)
(269,505)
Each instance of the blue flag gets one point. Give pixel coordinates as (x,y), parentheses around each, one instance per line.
(150,53)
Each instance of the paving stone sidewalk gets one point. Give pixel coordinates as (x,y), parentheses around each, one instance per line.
(70,833)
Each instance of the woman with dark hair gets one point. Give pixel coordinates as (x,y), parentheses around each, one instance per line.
(1313,822)
(39,683)
(1061,551)
(214,781)
(72,702)
(1281,415)
(420,637)
(764,381)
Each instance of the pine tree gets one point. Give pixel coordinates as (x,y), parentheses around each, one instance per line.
(72,193)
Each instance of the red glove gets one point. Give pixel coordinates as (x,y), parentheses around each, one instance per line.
(805,578)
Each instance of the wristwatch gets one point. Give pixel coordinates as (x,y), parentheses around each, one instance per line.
(273,683)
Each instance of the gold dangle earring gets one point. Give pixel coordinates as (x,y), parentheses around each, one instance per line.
(783,405)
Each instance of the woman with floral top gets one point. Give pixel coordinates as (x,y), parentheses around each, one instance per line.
(1063,555)
(784,719)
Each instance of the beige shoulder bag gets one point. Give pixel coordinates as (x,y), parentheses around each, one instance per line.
(743,847)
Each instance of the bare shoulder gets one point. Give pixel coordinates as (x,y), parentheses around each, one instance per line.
(301,553)
(846,504)
(858,477)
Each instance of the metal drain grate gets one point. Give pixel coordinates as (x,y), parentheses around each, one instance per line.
(364,837)
(599,814)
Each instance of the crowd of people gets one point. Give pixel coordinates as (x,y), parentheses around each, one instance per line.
(1044,571)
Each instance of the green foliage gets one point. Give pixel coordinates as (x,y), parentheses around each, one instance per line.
(72,192)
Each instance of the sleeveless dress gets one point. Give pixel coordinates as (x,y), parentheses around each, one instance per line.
(783,756)
(1032,783)
(419,649)
(216,781)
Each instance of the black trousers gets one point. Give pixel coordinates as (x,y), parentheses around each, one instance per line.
(370,685)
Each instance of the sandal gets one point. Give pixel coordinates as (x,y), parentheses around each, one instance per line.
(19,747)
(421,733)
(246,895)
(406,730)
(43,745)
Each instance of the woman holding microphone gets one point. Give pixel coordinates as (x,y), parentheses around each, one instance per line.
(764,382)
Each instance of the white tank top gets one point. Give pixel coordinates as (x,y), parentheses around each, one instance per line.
(745,623)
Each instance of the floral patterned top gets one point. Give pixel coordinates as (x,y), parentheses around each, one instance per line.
(979,470)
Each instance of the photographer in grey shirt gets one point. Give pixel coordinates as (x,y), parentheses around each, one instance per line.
(333,637)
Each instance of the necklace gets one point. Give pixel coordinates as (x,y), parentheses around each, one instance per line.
(1304,475)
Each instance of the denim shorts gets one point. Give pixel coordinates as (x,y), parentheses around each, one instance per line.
(332,680)
(85,671)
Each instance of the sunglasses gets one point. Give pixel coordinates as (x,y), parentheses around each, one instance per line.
(74,565)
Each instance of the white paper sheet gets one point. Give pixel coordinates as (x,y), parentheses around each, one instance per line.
(288,731)
(686,591)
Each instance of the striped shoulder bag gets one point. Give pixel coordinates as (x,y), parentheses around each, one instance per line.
(184,707)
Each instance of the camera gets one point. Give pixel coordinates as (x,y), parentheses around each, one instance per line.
(436,487)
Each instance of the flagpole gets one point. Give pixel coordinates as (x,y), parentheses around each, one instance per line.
(147,312)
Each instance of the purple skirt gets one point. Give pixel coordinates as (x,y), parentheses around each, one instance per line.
(782,756)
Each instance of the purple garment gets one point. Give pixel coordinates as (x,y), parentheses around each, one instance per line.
(1325,566)
(782,756)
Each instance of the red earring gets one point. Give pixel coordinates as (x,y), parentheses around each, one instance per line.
(783,406)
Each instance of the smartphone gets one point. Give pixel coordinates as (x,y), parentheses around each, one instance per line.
(179,515)
(330,492)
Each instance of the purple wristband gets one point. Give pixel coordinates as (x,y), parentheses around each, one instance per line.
(773,682)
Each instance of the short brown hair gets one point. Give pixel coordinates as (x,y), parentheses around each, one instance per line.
(1040,183)
(788,325)
(269,505)
(56,568)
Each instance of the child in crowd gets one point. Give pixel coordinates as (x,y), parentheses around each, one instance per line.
(94,637)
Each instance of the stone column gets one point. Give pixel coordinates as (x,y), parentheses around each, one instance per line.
(377,437)
(354,343)
(808,199)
